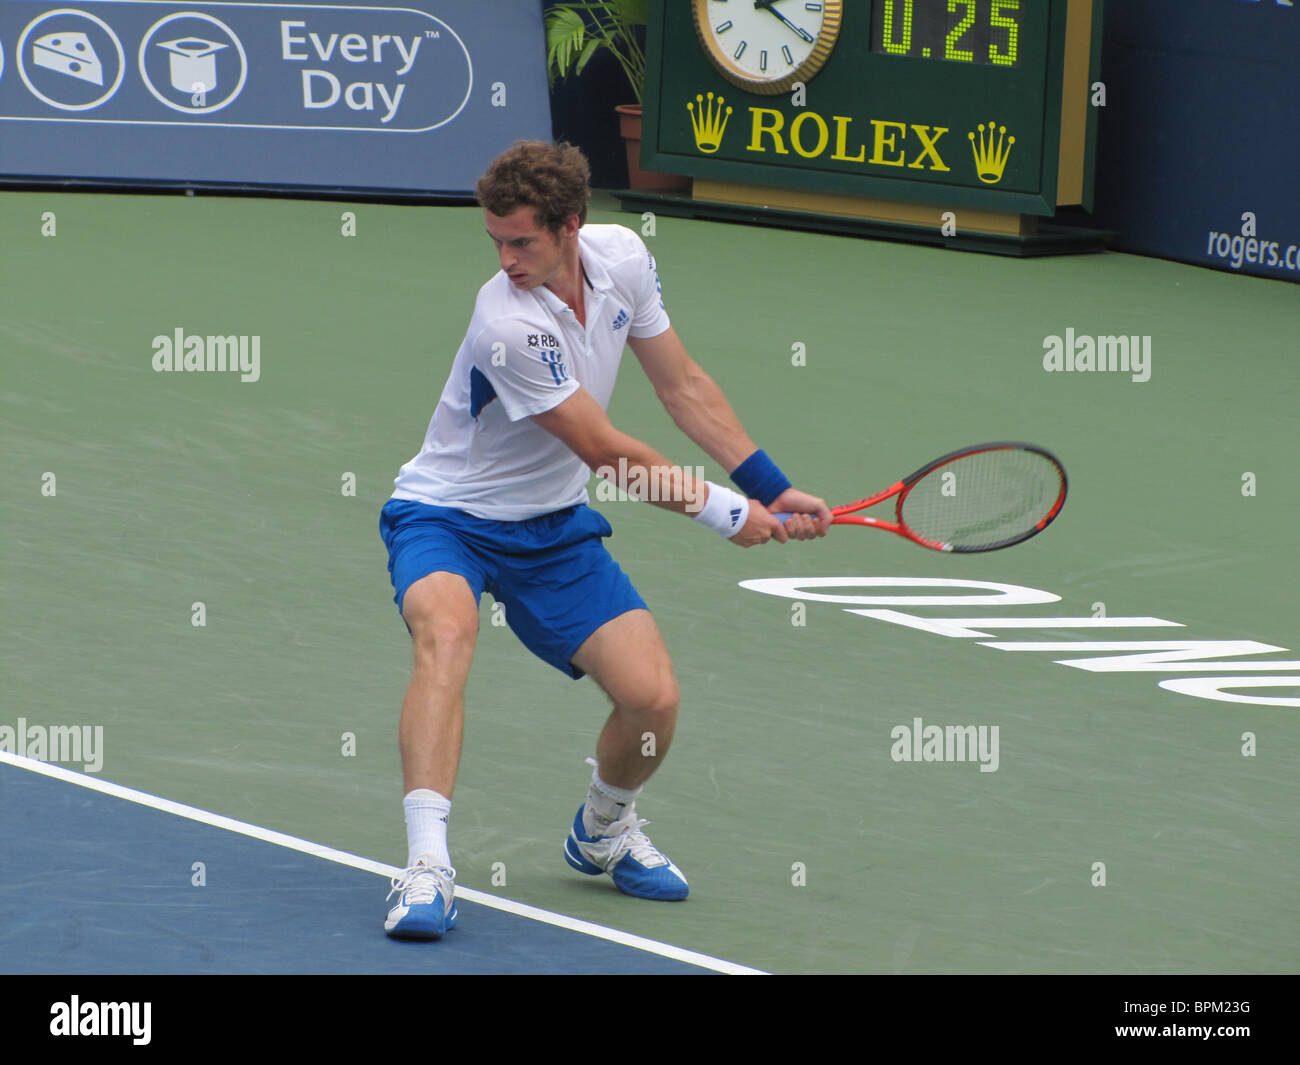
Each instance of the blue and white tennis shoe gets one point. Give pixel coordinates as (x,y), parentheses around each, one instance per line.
(626,853)
(426,905)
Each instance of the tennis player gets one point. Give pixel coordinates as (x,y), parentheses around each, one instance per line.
(496,501)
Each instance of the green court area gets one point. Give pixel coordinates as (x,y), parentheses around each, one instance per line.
(135,504)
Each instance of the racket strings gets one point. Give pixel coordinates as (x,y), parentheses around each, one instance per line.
(983,499)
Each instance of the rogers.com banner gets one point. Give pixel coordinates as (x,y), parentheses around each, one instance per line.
(1197,153)
(415,97)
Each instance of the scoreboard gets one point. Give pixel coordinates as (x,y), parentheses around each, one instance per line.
(951,31)
(893,110)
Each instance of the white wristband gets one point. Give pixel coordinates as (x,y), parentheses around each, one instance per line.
(725,511)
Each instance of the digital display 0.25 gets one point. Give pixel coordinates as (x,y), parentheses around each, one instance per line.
(958,31)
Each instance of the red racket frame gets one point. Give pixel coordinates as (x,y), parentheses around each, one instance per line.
(844,514)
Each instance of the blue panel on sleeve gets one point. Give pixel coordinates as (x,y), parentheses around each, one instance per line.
(481,392)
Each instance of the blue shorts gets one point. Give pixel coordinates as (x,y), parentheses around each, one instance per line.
(552,574)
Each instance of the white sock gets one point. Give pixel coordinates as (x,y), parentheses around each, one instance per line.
(605,804)
(426,827)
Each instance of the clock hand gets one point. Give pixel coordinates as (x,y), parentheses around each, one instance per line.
(766,5)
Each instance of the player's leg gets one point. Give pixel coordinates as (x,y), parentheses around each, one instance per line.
(438,579)
(626,656)
(441,612)
(572,606)
(628,659)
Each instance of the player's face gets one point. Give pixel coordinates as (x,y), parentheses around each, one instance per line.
(530,254)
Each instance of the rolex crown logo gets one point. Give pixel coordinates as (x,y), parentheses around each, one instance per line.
(991,152)
(709,122)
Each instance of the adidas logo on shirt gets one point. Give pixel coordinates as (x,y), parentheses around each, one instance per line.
(620,321)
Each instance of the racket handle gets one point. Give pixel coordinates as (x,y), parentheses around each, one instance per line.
(783,518)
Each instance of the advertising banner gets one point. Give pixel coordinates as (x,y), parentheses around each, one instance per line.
(413,97)
(1198,144)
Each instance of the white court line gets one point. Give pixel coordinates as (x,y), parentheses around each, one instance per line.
(193,813)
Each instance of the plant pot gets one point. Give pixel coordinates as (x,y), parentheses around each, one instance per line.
(629,117)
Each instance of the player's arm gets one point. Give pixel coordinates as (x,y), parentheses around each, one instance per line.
(698,407)
(637,468)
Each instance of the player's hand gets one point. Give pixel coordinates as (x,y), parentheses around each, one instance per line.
(810,517)
(759,527)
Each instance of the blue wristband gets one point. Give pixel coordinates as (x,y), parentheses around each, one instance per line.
(760,478)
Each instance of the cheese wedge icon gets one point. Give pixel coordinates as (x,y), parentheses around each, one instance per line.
(68,53)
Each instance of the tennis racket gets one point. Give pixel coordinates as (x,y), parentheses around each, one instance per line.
(981,498)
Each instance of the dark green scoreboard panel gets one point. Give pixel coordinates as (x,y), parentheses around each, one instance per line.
(958,103)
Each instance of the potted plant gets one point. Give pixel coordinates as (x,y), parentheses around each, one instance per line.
(577,31)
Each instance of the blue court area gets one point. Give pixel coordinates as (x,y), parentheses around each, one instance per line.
(93,883)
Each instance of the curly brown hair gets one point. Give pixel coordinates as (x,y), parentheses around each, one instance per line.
(551,178)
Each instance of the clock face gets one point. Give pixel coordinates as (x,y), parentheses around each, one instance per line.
(765,46)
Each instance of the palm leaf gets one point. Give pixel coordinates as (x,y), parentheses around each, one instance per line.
(587,53)
(566,32)
(575,32)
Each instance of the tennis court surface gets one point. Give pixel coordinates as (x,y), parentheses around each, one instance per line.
(194,587)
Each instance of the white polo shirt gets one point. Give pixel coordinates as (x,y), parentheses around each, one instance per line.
(524,353)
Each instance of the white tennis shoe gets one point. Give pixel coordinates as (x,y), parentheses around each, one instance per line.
(426,904)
